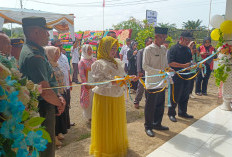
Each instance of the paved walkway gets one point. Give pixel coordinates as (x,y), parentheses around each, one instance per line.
(210,136)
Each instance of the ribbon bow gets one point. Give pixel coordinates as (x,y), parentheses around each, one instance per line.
(123,81)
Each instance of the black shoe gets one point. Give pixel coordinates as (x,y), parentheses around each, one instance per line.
(77,82)
(173,118)
(199,94)
(160,127)
(150,133)
(204,94)
(185,115)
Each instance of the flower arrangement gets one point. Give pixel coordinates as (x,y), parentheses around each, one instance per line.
(224,66)
(21,134)
(226,49)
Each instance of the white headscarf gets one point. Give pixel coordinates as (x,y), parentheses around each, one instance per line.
(84,53)
(51,52)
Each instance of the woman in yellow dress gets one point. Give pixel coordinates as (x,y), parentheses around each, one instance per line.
(108,128)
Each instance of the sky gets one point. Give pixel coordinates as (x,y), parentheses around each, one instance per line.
(89,13)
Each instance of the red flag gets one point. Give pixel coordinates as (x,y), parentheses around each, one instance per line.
(103,3)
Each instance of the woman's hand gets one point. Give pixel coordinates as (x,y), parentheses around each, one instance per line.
(89,86)
(203,53)
(135,78)
(171,70)
(114,83)
(135,52)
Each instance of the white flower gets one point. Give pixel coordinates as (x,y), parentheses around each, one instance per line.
(30,85)
(34,103)
(4,71)
(24,95)
(16,73)
(38,89)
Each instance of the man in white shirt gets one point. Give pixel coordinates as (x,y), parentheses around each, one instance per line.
(123,53)
(75,60)
(155,60)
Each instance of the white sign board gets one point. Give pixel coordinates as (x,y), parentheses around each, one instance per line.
(151,17)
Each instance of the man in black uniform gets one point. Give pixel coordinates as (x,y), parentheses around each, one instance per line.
(179,57)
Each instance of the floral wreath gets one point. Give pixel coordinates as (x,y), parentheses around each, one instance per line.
(21,133)
(224,67)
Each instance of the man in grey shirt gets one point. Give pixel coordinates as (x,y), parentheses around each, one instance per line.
(141,73)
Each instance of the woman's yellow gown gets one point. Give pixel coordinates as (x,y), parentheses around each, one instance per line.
(108,128)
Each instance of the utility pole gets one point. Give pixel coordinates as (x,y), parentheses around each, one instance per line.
(103,15)
(21,4)
(210,6)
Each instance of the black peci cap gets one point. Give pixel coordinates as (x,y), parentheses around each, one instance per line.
(161,30)
(187,34)
(35,21)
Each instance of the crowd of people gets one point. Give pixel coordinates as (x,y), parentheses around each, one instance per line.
(104,104)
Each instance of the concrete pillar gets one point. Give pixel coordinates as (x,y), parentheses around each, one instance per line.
(227,97)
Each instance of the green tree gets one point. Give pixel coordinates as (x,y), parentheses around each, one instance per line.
(147,31)
(171,26)
(191,24)
(14,32)
(133,24)
(7,31)
(169,38)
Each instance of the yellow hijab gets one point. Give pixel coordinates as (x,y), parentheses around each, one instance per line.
(105,47)
(51,52)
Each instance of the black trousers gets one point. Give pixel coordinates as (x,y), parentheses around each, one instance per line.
(126,68)
(139,93)
(202,82)
(133,71)
(68,99)
(63,121)
(181,96)
(47,111)
(75,72)
(154,108)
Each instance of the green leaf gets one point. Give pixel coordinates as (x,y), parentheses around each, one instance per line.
(26,130)
(23,81)
(35,121)
(228,69)
(25,115)
(45,134)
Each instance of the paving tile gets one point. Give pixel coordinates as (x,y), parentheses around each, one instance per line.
(179,147)
(161,153)
(193,137)
(211,136)
(215,148)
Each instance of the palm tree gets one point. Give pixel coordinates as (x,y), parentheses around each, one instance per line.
(171,26)
(190,24)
